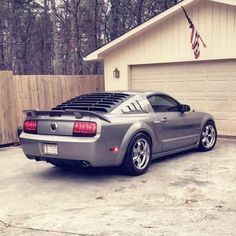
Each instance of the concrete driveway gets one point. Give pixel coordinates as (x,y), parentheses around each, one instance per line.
(187,194)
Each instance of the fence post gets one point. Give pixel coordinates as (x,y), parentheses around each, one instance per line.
(8,112)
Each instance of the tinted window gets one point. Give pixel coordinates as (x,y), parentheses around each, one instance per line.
(162,103)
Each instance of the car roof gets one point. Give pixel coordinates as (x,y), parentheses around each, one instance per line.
(146,93)
(101,101)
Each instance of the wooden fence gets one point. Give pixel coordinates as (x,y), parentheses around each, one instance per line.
(43,92)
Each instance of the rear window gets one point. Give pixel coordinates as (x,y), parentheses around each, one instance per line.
(98,102)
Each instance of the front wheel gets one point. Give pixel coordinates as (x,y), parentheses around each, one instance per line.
(138,156)
(208,137)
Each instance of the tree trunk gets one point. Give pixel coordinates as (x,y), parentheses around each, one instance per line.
(95,35)
(9,35)
(56,48)
(115,17)
(45,43)
(2,57)
(73,40)
(139,11)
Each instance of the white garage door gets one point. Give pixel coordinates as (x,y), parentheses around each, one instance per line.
(205,86)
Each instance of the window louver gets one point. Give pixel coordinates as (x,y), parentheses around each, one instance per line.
(98,102)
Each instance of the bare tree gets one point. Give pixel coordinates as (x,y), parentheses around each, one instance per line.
(9,35)
(56,46)
(53,36)
(45,62)
(115,19)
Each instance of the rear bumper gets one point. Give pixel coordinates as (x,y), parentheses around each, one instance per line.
(94,150)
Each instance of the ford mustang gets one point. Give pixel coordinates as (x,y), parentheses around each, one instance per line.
(127,129)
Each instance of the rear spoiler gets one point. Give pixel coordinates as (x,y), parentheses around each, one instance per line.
(77,113)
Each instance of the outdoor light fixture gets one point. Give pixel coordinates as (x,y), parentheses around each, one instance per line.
(116,73)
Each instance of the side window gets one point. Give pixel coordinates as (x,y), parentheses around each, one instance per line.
(134,105)
(163,103)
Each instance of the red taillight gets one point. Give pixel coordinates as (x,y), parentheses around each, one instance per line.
(30,126)
(82,128)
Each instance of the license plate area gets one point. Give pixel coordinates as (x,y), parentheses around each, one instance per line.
(50,149)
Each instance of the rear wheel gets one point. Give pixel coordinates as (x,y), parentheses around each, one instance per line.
(138,155)
(208,137)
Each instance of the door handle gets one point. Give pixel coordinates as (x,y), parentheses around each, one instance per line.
(164,120)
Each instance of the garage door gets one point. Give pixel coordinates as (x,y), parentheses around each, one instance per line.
(205,86)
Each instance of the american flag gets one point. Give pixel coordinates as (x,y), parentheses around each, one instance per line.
(194,37)
(195,41)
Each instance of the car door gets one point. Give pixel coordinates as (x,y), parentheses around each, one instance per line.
(175,128)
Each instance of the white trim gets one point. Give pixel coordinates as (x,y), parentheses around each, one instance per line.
(229,2)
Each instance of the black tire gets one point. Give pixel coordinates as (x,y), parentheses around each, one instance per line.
(203,147)
(129,165)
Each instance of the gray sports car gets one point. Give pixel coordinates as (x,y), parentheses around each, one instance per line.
(127,129)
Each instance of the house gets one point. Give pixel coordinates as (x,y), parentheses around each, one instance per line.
(157,55)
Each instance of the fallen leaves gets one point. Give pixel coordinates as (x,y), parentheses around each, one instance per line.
(100,198)
(190,201)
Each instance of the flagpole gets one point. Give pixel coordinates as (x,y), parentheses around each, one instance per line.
(190,23)
(202,41)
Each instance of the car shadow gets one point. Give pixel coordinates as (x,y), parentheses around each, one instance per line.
(173,156)
(53,172)
(101,173)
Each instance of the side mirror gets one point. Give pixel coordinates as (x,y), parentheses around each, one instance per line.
(184,108)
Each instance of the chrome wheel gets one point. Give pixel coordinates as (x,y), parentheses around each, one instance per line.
(141,153)
(208,136)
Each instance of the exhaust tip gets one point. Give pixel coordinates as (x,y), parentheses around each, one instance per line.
(85,164)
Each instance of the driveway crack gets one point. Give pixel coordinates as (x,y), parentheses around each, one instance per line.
(7,225)
(4,223)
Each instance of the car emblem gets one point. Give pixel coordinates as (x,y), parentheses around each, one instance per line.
(53,127)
